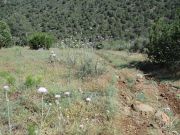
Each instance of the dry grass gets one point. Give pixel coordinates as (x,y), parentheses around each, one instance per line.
(112,92)
(58,77)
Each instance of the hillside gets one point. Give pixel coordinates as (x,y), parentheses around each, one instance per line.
(93,20)
(107,94)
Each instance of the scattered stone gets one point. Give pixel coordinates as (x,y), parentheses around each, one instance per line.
(139,77)
(162,117)
(140,107)
(175,133)
(126,111)
(162,95)
(88,99)
(167,109)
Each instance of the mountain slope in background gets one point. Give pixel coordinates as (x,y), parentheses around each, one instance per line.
(86,19)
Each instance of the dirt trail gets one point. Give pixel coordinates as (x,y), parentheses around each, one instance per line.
(146,107)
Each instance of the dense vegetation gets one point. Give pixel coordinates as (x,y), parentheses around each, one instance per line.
(5,35)
(164,46)
(75,89)
(40,40)
(93,20)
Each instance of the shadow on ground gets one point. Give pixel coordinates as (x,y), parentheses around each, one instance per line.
(157,71)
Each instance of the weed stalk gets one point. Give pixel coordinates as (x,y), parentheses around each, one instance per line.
(8,111)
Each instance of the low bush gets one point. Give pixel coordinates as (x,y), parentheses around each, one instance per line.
(91,68)
(32,81)
(99,46)
(40,40)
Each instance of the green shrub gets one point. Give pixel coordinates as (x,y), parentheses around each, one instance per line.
(5,35)
(32,81)
(11,80)
(31,129)
(91,68)
(164,46)
(40,40)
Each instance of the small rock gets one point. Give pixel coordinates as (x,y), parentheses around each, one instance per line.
(126,111)
(162,117)
(88,99)
(140,76)
(175,133)
(140,107)
(162,95)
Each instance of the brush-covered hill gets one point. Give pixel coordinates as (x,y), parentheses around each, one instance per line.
(87,19)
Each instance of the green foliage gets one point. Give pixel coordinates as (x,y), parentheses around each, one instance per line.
(86,19)
(164,46)
(99,45)
(5,35)
(8,78)
(31,129)
(89,67)
(40,40)
(32,81)
(20,27)
(11,80)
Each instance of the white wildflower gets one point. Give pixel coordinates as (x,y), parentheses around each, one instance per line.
(67,93)
(6,88)
(42,90)
(54,55)
(57,96)
(81,126)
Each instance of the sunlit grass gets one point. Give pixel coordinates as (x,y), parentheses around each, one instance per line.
(26,70)
(77,115)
